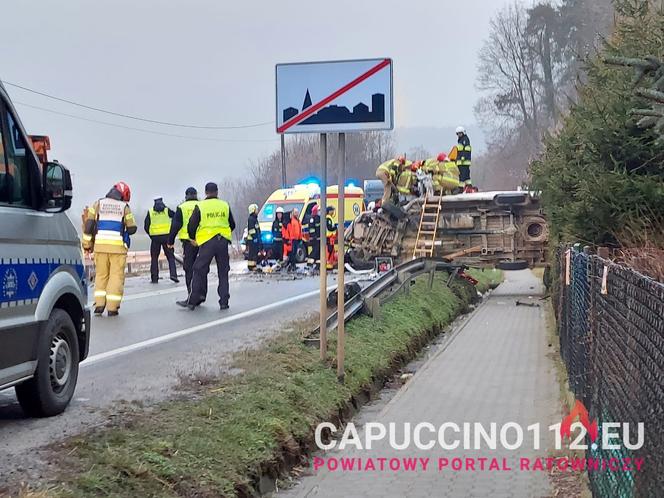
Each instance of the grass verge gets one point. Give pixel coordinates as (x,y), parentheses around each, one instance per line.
(241,428)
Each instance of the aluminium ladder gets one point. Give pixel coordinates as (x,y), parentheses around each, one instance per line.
(426,233)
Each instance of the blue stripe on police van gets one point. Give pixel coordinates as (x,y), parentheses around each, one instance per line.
(22,280)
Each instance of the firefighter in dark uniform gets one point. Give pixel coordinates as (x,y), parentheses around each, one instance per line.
(464,152)
(179,229)
(314,239)
(331,237)
(254,240)
(210,227)
(277,235)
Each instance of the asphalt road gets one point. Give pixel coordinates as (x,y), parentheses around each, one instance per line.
(142,355)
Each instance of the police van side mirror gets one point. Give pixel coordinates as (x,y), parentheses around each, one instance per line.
(57,188)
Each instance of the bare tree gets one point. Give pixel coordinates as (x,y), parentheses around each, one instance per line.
(508,75)
(528,69)
(364,152)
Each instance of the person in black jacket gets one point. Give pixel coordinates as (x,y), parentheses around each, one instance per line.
(464,156)
(157,225)
(254,241)
(179,230)
(210,227)
(314,239)
(277,235)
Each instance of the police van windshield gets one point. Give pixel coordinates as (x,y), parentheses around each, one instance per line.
(267,213)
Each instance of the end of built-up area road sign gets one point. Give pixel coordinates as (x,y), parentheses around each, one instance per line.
(334,97)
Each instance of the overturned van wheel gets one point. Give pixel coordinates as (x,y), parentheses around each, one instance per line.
(512,265)
(301,254)
(512,199)
(50,390)
(357,262)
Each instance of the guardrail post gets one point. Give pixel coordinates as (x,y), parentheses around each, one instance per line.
(404,280)
(373,304)
(430,266)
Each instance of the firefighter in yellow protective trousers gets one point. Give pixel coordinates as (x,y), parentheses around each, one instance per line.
(108,225)
(388,172)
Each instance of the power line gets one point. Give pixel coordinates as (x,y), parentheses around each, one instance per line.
(137,118)
(143,130)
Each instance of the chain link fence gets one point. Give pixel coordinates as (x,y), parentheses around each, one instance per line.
(611,326)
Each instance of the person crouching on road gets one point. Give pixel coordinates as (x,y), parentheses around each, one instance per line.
(210,227)
(331,237)
(277,235)
(179,229)
(314,239)
(254,240)
(109,223)
(293,237)
(157,224)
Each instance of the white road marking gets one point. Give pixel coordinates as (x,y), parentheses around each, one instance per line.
(94,359)
(141,295)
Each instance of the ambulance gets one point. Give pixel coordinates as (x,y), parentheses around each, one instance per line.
(304,197)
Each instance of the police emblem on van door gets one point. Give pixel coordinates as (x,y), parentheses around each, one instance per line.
(33,281)
(9,284)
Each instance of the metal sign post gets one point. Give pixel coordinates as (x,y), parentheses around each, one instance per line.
(283,162)
(323,247)
(341,232)
(333,97)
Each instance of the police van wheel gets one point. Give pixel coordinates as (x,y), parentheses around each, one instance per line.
(50,390)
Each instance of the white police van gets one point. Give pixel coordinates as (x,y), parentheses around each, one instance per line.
(44,317)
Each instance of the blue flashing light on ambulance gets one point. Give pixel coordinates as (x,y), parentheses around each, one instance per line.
(303,197)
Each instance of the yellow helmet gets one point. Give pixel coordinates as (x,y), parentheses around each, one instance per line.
(253,208)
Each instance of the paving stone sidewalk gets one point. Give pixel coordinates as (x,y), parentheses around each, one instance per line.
(496,368)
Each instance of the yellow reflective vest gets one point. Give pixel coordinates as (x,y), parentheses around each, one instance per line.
(111,218)
(187,207)
(160,222)
(214,220)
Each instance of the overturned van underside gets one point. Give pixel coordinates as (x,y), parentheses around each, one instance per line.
(479,229)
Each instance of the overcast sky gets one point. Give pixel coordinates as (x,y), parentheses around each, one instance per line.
(211,62)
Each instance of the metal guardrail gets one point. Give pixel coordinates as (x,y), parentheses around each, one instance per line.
(401,274)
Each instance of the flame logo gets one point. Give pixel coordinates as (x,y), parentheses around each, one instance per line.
(580,411)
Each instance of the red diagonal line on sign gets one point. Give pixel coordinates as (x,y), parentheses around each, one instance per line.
(316,107)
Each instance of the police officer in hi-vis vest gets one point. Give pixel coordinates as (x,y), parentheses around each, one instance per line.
(210,227)
(158,225)
(179,229)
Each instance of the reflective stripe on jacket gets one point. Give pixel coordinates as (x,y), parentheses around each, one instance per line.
(214,220)
(331,227)
(390,167)
(186,208)
(277,227)
(110,225)
(464,151)
(253,228)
